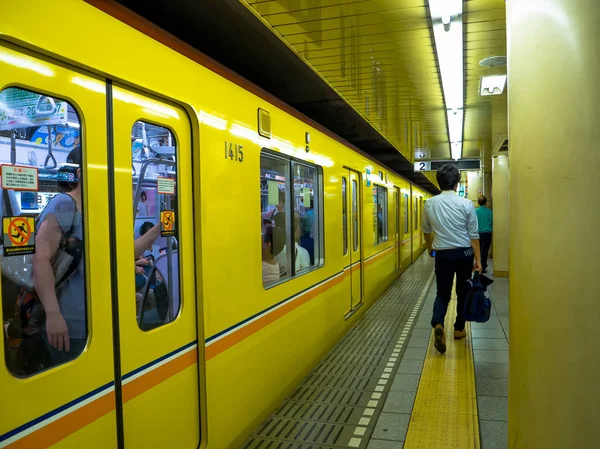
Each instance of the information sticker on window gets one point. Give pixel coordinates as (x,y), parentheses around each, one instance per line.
(166,186)
(16,177)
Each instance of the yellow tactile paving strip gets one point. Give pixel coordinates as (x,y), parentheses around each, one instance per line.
(444,415)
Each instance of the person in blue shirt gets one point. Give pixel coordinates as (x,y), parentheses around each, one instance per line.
(484,221)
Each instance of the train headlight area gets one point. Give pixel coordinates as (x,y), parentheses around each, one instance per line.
(193,258)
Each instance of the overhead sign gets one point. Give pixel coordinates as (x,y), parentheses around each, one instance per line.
(422,166)
(15,177)
(21,109)
(18,235)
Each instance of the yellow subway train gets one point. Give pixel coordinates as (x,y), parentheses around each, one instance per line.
(149,202)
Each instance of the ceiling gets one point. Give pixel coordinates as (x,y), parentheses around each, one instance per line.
(485,35)
(365,69)
(378,55)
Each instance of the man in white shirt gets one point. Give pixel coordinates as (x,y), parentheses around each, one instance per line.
(456,244)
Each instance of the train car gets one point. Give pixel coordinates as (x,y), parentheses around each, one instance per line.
(171,195)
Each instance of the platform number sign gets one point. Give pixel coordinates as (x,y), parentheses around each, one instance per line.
(422,166)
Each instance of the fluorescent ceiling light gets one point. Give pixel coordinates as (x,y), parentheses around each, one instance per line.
(449,45)
(492,85)
(446,17)
(456,150)
(455,125)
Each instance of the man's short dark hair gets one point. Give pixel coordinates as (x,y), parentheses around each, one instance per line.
(481,200)
(145,227)
(448,177)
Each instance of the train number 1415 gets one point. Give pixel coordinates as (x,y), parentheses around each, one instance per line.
(234,152)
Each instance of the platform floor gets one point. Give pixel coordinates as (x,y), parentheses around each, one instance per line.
(383,386)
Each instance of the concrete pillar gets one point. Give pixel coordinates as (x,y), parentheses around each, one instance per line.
(554,108)
(486,172)
(501,234)
(474,183)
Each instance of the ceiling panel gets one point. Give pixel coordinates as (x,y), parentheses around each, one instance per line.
(485,35)
(378,55)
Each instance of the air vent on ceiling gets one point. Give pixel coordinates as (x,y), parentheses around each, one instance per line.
(501,145)
(493,61)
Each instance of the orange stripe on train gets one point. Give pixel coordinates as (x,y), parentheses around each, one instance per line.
(230,340)
(67,425)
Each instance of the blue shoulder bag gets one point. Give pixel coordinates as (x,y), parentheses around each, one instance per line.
(478,303)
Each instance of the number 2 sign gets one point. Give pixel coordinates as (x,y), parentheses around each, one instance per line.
(422,166)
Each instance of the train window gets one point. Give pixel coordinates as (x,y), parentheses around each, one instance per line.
(291,217)
(416,221)
(307,230)
(43,302)
(345,215)
(382,213)
(355,214)
(405,214)
(156,265)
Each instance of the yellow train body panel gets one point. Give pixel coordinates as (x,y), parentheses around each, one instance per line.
(236,348)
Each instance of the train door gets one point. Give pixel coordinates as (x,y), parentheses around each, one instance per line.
(355,239)
(397,229)
(156,271)
(56,385)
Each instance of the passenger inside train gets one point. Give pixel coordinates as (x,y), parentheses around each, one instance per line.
(154,167)
(44,298)
(303,228)
(43,269)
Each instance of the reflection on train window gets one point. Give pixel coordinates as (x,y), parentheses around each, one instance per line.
(43,267)
(382,213)
(290,217)
(405,213)
(355,214)
(156,229)
(345,215)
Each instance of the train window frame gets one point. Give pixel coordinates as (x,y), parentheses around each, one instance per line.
(175,139)
(318,199)
(355,214)
(406,213)
(345,215)
(82,135)
(382,192)
(416,215)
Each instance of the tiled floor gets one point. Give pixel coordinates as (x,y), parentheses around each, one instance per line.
(392,426)
(490,347)
(490,351)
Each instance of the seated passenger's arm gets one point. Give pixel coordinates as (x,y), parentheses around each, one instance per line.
(47,241)
(143,242)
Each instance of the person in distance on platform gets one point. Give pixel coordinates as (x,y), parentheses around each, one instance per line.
(485,221)
(456,244)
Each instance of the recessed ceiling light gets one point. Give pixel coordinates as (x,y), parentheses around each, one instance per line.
(493,61)
(492,85)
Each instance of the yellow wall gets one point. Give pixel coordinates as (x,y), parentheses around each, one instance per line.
(554,108)
(501,234)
